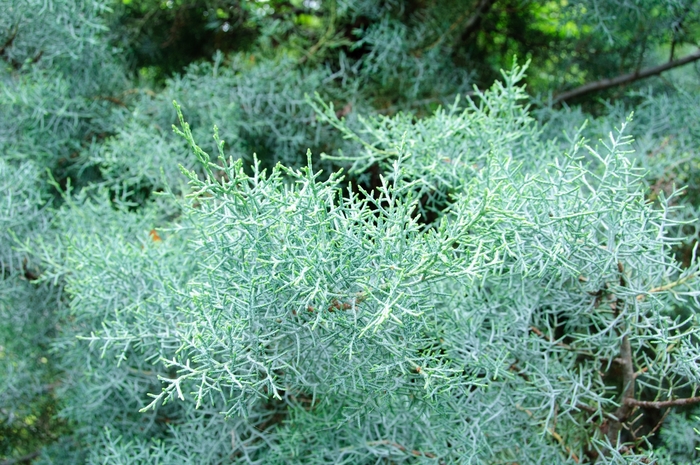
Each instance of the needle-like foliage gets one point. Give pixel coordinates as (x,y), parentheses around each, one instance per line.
(348,272)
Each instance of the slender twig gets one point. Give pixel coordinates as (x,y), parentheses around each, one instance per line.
(9,41)
(658,424)
(659,404)
(586,408)
(673,50)
(325,38)
(471,25)
(561,344)
(416,453)
(537,331)
(452,27)
(24,458)
(475,19)
(108,98)
(661,146)
(625,78)
(555,435)
(668,286)
(405,449)
(595,411)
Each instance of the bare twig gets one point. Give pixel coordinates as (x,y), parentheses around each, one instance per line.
(308,54)
(9,41)
(661,146)
(108,98)
(625,78)
(475,19)
(673,49)
(668,286)
(560,344)
(415,453)
(555,435)
(24,458)
(449,30)
(661,403)
(469,28)
(658,424)
(595,411)
(537,331)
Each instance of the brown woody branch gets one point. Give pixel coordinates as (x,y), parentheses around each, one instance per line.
(628,375)
(662,403)
(472,23)
(628,381)
(625,78)
(475,19)
(113,100)
(9,41)
(23,459)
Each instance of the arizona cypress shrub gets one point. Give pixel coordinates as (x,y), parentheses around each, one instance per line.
(284,318)
(357,275)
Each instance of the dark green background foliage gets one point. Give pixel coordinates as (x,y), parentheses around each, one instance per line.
(391,251)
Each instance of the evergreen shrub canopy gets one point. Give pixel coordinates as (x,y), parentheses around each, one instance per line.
(390,251)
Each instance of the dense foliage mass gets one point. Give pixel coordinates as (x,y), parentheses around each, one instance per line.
(390,251)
